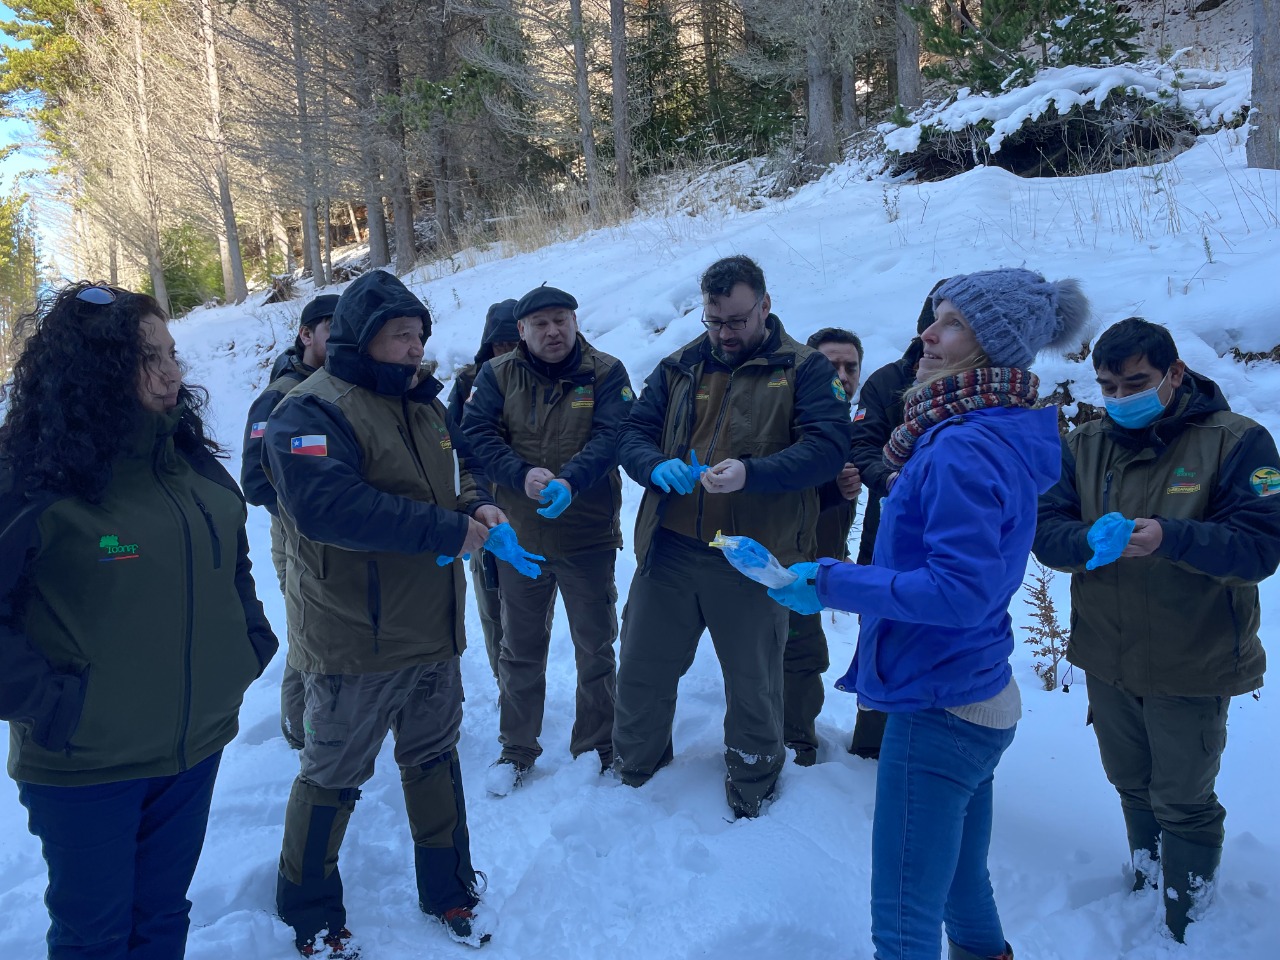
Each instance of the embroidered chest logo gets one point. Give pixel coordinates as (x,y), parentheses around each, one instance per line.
(1265,481)
(1184,481)
(445,442)
(779,378)
(584,397)
(116,550)
(702,394)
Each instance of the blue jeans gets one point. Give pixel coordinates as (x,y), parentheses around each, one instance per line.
(930,837)
(121,857)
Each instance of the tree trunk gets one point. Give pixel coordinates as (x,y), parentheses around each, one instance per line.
(370,172)
(310,240)
(1263,148)
(398,172)
(621,115)
(584,110)
(355,224)
(710,62)
(848,100)
(280,237)
(820,146)
(151,195)
(910,86)
(234,287)
(327,207)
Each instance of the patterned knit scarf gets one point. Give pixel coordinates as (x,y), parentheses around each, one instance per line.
(931,403)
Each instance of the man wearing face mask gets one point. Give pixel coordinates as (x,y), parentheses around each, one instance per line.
(1168,632)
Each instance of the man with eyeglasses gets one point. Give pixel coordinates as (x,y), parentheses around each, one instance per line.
(770,419)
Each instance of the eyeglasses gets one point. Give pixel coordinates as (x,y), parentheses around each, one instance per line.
(733,323)
(99,296)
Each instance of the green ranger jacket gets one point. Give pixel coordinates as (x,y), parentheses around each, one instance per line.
(523,414)
(783,412)
(371,495)
(1182,622)
(129,628)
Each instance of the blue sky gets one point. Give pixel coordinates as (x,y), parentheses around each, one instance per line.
(11,131)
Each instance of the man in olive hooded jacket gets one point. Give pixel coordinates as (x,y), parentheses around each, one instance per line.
(371,496)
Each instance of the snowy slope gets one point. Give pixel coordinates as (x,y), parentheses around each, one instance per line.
(582,867)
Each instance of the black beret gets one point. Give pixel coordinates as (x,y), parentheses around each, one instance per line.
(539,298)
(321,308)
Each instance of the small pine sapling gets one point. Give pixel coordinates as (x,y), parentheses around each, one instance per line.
(1046,634)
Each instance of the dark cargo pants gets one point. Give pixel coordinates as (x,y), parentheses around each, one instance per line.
(1162,754)
(586,583)
(687,589)
(488,604)
(347,719)
(291,703)
(804,663)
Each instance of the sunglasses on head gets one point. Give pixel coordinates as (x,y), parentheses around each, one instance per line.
(100,296)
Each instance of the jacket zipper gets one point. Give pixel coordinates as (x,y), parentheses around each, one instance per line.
(375,601)
(213,534)
(1106,494)
(190,624)
(715,435)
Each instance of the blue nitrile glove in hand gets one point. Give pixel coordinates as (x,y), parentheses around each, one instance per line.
(674,476)
(697,468)
(557,498)
(1108,537)
(801,594)
(445,561)
(502,544)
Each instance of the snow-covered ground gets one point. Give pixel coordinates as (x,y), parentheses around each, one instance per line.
(581,867)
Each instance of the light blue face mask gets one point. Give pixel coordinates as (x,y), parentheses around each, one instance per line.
(1138,409)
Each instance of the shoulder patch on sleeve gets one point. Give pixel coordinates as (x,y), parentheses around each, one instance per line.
(627,395)
(1265,481)
(312,445)
(838,389)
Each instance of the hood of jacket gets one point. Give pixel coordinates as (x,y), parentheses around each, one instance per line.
(364,309)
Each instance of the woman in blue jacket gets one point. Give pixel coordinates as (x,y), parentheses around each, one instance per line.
(971,460)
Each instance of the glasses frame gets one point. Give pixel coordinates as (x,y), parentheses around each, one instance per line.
(94,295)
(734,325)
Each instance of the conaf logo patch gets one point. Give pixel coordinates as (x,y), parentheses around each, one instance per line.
(116,550)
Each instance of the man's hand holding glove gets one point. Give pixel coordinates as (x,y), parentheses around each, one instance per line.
(557,496)
(676,476)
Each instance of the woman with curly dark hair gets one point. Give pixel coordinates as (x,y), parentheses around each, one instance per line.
(129,625)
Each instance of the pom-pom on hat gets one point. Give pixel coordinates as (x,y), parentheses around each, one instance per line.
(539,298)
(1016,313)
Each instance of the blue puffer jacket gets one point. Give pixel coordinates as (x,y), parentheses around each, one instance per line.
(955,534)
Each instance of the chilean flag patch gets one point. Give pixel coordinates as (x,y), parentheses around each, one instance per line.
(257,430)
(860,415)
(312,445)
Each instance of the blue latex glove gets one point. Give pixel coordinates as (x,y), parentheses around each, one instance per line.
(674,476)
(697,468)
(1108,537)
(502,544)
(557,498)
(445,561)
(801,595)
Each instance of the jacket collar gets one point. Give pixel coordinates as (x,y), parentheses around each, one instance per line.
(387,379)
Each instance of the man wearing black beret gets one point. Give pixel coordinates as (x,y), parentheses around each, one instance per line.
(542,425)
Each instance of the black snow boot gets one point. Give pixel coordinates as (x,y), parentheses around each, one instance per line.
(1144,847)
(1189,874)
